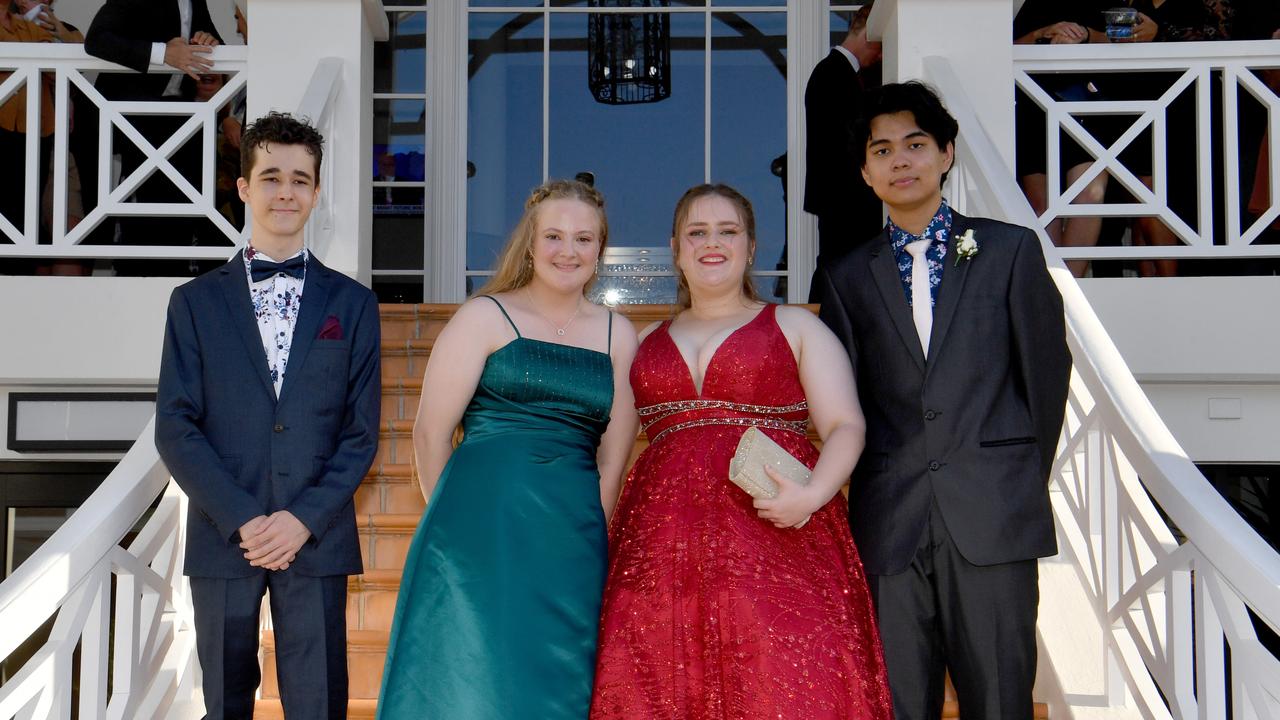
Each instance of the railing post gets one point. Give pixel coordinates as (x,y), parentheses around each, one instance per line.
(976,36)
(287,44)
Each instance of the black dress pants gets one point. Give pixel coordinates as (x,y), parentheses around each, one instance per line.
(945,612)
(309,619)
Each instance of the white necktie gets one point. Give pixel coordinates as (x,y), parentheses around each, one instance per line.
(921,298)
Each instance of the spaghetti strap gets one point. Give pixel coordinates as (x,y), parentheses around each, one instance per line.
(504,314)
(608,343)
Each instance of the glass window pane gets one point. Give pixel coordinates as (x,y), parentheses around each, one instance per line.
(749,122)
(740,3)
(29,528)
(504,127)
(643,155)
(400,63)
(399,130)
(398,232)
(839,25)
(506,3)
(398,288)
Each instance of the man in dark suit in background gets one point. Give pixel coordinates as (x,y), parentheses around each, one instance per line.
(849,213)
(266,414)
(958,342)
(138,34)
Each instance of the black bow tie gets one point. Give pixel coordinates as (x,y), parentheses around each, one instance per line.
(263,269)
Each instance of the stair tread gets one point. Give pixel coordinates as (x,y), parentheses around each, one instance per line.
(389,521)
(271,709)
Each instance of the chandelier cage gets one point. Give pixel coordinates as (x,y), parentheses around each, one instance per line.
(629,54)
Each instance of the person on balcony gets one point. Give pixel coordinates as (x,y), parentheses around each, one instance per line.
(958,342)
(1048,22)
(848,212)
(267,417)
(138,34)
(500,598)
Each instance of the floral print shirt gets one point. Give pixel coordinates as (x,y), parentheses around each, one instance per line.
(276,302)
(939,230)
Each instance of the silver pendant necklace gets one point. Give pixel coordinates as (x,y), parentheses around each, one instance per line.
(559,330)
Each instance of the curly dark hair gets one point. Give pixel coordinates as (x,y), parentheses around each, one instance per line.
(280,129)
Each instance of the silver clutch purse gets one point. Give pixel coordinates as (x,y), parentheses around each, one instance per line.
(755,450)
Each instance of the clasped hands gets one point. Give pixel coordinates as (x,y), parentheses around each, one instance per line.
(273,541)
(793,504)
(191,57)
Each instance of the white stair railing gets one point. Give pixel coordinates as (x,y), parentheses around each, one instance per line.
(1186,68)
(1179,616)
(70,66)
(140,669)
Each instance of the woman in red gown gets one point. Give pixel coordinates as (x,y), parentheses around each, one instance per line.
(718,607)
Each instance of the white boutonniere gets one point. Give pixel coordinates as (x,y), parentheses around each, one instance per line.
(966,246)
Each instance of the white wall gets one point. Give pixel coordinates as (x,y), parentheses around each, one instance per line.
(1190,341)
(82,330)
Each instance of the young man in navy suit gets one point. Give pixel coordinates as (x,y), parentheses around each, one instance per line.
(266,414)
(958,342)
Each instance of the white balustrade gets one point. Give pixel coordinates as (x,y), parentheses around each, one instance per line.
(1195,64)
(1179,614)
(69,66)
(145,668)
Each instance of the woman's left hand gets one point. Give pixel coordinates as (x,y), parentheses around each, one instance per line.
(791,507)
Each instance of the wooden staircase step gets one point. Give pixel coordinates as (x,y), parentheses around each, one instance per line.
(385,539)
(395,441)
(357,709)
(390,488)
(366,654)
(371,600)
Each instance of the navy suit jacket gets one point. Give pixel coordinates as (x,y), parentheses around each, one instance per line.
(236,450)
(976,425)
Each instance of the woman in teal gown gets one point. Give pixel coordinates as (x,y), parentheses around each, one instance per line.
(500,598)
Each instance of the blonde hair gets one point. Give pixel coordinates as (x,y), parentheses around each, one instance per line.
(514,268)
(746,215)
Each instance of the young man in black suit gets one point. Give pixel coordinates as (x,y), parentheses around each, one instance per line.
(958,342)
(138,34)
(267,416)
(849,213)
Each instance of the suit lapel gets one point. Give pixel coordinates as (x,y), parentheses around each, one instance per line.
(235,290)
(953,277)
(315,295)
(884,271)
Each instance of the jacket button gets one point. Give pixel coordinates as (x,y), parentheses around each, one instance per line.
(934,465)
(279,428)
(931,414)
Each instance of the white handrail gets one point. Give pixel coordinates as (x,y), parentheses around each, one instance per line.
(1116,449)
(69,64)
(70,577)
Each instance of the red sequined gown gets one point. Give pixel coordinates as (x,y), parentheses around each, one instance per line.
(711,613)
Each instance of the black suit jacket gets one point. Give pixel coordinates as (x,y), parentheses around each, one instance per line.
(123,31)
(975,426)
(236,450)
(833,186)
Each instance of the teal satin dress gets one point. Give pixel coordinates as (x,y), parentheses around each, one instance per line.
(500,599)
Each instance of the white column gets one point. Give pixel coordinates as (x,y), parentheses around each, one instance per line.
(807,43)
(287,41)
(976,38)
(446,199)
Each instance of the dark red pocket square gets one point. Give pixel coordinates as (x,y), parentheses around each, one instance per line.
(331,330)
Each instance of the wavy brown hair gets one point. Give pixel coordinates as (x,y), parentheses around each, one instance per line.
(515,264)
(746,216)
